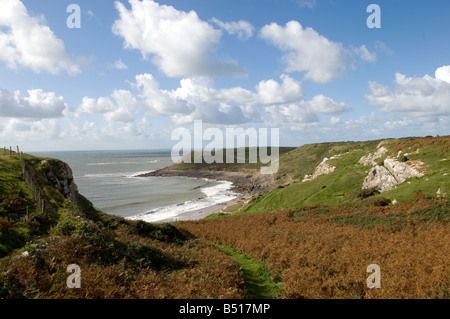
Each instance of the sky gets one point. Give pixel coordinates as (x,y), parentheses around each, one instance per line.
(126,74)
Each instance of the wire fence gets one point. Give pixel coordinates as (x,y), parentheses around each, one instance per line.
(9,151)
(37,192)
(32,185)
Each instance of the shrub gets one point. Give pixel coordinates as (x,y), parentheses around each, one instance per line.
(67,224)
(5,224)
(165,232)
(403,159)
(364,193)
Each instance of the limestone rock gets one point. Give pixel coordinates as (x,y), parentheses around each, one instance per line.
(322,169)
(371,158)
(401,171)
(380,178)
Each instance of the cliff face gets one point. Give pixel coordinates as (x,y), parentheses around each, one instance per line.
(59,175)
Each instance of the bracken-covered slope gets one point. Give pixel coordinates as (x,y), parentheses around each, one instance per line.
(118,258)
(334,217)
(336,209)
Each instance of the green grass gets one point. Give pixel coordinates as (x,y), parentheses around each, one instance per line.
(15,197)
(337,187)
(332,189)
(230,167)
(304,160)
(256,274)
(434,178)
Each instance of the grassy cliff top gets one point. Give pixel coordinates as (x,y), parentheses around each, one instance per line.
(118,258)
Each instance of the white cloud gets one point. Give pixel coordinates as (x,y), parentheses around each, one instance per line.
(272,92)
(335,120)
(26,41)
(31,130)
(119,65)
(291,116)
(91,14)
(296,115)
(180,42)
(224,106)
(197,98)
(423,98)
(326,105)
(443,73)
(308,51)
(96,106)
(366,55)
(243,29)
(159,102)
(38,104)
(384,48)
(119,107)
(307,3)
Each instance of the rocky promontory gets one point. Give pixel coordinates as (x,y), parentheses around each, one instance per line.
(248,183)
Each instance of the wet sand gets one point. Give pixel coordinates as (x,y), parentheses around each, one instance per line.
(246,185)
(194,215)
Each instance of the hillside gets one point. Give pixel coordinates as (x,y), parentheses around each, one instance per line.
(336,173)
(118,258)
(310,231)
(343,207)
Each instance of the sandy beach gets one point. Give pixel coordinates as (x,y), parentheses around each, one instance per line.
(194,215)
(246,185)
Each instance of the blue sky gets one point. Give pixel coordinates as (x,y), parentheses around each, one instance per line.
(136,70)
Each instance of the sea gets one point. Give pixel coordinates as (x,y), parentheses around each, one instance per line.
(109,179)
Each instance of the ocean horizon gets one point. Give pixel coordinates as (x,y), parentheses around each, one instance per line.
(109,179)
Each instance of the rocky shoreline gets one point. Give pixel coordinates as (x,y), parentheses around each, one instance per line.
(248,184)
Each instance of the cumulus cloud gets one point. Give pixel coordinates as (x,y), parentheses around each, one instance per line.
(308,51)
(197,98)
(443,73)
(423,98)
(31,130)
(26,41)
(38,104)
(159,102)
(296,115)
(324,104)
(243,29)
(179,42)
(224,106)
(120,106)
(272,92)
